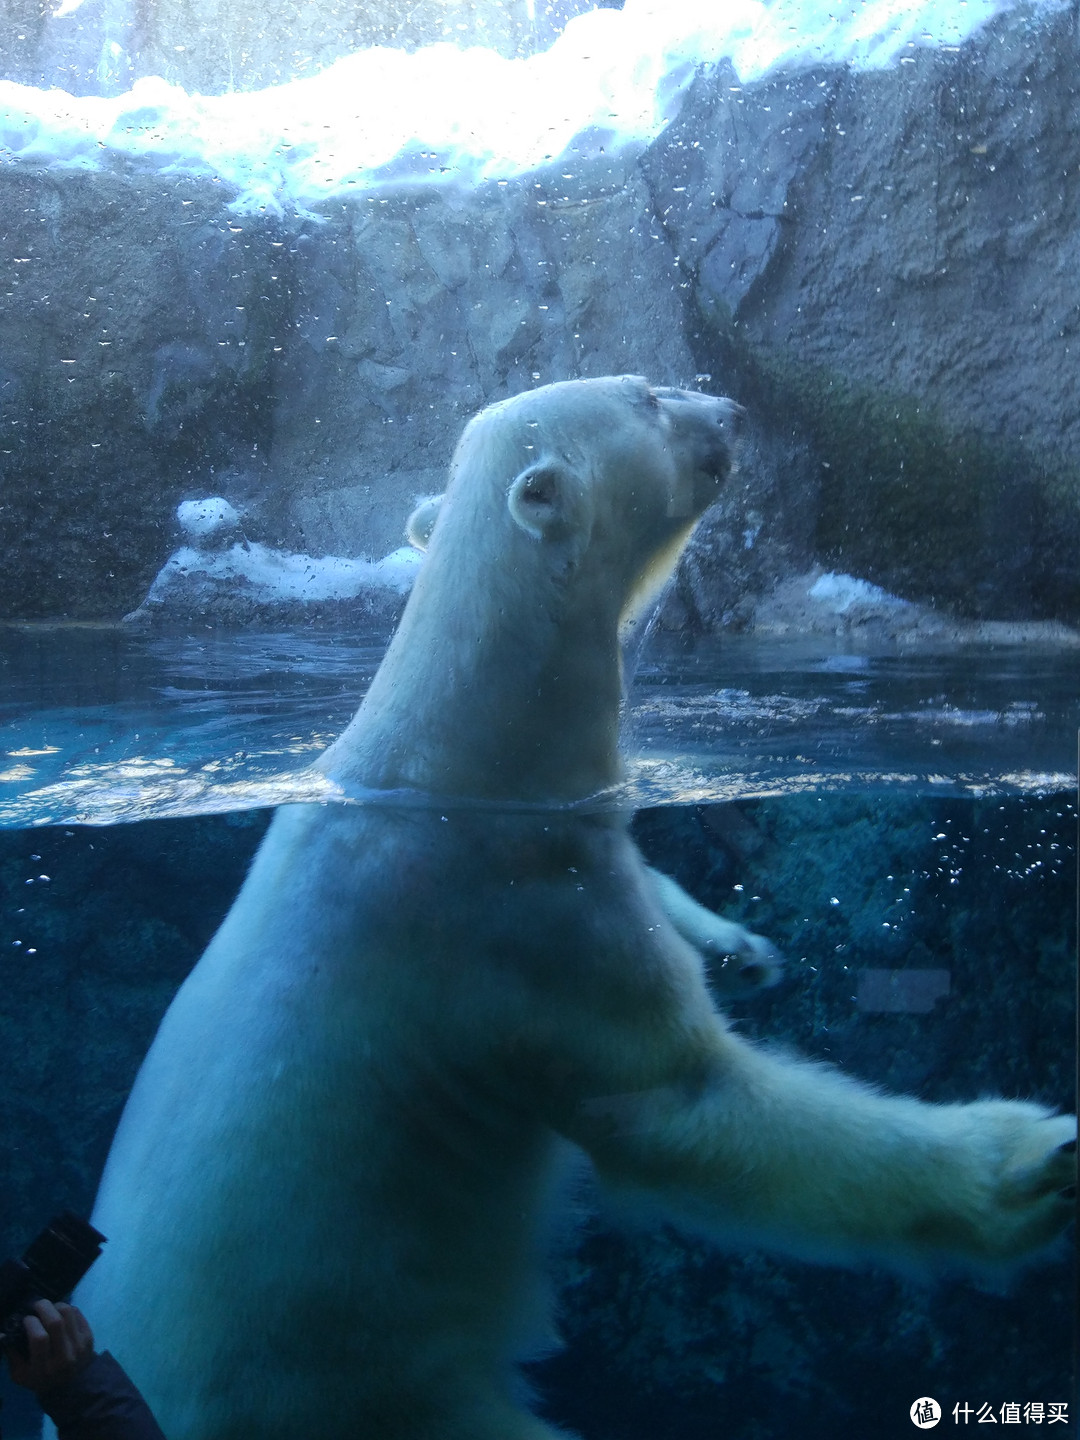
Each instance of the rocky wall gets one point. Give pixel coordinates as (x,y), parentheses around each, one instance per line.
(137,338)
(880,264)
(885,258)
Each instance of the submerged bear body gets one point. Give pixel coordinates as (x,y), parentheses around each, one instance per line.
(357,1159)
(326,1199)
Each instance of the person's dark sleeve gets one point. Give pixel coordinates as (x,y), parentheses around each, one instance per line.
(99,1403)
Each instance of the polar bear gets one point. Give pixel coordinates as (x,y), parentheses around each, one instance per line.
(328,1192)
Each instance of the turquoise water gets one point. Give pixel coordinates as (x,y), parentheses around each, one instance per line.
(99,725)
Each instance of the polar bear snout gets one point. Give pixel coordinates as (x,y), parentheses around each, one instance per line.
(732,417)
(711,423)
(723,410)
(722,426)
(703,434)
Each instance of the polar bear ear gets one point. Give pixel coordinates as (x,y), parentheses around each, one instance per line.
(545,500)
(422,522)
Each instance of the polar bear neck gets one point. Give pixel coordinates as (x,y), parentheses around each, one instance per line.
(507,706)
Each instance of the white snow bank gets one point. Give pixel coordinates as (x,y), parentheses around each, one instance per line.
(273,577)
(440,114)
(839,593)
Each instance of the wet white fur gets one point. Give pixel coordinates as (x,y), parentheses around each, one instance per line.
(326,1193)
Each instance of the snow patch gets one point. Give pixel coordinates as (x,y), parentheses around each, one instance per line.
(840,592)
(380,117)
(276,576)
(246,582)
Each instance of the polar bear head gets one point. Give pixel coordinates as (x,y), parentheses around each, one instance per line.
(611,469)
(566,507)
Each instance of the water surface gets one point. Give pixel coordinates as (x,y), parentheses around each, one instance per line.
(99,724)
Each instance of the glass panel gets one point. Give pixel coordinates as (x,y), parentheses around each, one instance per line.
(263,264)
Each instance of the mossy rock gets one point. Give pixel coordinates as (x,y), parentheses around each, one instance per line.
(908,499)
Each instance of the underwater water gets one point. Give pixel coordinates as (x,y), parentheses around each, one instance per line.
(973,900)
(927,917)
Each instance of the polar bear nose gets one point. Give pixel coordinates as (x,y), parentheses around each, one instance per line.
(707,424)
(729,417)
(714,409)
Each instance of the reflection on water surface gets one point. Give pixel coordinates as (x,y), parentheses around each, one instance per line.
(105,725)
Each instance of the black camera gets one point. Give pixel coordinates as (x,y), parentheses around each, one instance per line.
(50,1269)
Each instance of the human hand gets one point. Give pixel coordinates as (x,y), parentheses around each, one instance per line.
(59,1342)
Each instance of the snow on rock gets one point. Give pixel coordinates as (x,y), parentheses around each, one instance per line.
(441,114)
(203,519)
(861,614)
(255,583)
(841,593)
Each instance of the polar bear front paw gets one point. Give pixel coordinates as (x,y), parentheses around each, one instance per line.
(1043,1166)
(1031,1194)
(737,960)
